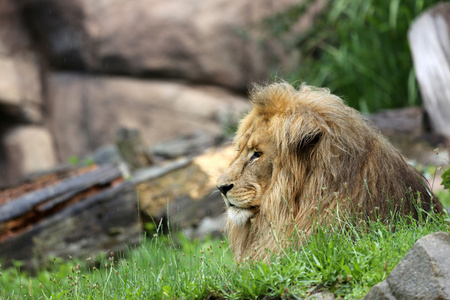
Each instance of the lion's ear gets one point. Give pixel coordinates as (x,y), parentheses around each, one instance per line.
(307,143)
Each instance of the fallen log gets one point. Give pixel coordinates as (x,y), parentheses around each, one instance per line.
(82,215)
(45,199)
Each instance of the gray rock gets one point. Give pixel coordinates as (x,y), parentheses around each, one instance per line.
(107,155)
(197,218)
(399,121)
(87,110)
(26,149)
(212,226)
(380,291)
(174,38)
(424,273)
(20,83)
(404,128)
(322,296)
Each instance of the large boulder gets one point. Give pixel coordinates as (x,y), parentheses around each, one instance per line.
(214,42)
(87,111)
(20,85)
(25,149)
(405,129)
(424,273)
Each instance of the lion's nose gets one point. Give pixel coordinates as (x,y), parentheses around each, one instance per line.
(225,188)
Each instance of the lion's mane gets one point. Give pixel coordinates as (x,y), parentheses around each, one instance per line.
(329,159)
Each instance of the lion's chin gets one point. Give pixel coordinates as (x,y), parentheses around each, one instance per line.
(239,216)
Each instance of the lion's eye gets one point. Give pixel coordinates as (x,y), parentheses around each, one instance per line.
(255,155)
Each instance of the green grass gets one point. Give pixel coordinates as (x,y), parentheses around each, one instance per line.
(346,262)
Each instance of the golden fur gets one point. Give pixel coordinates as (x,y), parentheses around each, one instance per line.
(303,155)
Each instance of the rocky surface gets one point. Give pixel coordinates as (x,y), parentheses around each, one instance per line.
(20,83)
(87,111)
(406,129)
(424,273)
(180,64)
(216,42)
(26,149)
(322,296)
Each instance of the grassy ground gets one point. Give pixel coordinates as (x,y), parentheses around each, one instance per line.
(347,262)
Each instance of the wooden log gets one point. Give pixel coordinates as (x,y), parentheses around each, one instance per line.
(34,206)
(159,186)
(92,211)
(429,41)
(149,174)
(105,221)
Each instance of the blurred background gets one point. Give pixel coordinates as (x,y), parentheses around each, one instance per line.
(154,88)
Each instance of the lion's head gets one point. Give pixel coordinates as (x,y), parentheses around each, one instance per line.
(303,154)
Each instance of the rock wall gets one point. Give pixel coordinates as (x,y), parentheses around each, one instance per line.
(211,42)
(90,109)
(75,71)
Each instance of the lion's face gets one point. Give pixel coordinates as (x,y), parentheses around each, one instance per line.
(245,182)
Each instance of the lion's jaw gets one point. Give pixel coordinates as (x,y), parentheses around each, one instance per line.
(239,216)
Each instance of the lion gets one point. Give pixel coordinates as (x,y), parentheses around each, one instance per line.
(303,155)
